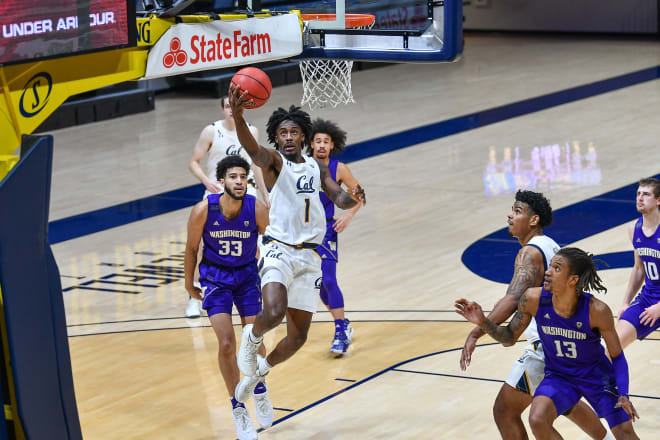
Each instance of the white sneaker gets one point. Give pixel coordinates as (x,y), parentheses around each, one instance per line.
(247,353)
(194,309)
(263,409)
(245,387)
(243,424)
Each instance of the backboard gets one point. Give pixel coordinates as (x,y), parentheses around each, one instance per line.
(409,31)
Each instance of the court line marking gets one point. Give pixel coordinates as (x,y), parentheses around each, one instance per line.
(395,368)
(117,215)
(313,322)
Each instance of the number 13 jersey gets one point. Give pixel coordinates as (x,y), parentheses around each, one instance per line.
(571,347)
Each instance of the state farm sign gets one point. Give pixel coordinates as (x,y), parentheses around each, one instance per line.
(190,47)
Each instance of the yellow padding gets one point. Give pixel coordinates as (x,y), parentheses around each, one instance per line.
(7,162)
(9,412)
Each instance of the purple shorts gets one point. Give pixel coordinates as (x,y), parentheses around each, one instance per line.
(566,392)
(224,286)
(639,304)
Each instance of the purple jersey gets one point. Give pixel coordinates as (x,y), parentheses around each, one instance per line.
(648,249)
(572,349)
(329,205)
(230,243)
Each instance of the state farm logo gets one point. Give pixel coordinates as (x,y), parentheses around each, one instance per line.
(207,49)
(176,55)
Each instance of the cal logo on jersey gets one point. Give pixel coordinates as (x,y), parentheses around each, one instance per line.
(305,185)
(233,150)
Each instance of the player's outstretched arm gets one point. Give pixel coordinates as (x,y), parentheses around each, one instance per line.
(196,223)
(600,316)
(341,198)
(261,156)
(527,273)
(508,334)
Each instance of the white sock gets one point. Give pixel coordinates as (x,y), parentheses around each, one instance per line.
(254,339)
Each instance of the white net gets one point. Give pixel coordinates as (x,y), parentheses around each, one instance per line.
(326,82)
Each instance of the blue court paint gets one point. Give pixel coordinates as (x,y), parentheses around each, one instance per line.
(124,213)
(492,257)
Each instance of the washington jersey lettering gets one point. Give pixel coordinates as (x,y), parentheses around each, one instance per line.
(570,345)
(225,143)
(230,243)
(548,248)
(648,249)
(296,213)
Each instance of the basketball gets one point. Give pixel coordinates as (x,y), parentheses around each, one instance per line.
(255,82)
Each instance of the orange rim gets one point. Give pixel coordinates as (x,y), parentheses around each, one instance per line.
(352,20)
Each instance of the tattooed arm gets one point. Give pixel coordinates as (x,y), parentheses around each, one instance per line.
(527,273)
(507,335)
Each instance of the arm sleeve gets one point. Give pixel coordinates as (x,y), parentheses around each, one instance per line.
(620,366)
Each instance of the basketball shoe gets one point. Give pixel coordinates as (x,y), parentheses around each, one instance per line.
(247,353)
(243,423)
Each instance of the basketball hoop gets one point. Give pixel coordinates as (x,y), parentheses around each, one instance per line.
(327,81)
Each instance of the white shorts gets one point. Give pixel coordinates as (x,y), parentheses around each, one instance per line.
(251,189)
(528,371)
(299,270)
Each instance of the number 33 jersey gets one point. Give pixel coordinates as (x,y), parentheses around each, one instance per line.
(232,242)
(571,347)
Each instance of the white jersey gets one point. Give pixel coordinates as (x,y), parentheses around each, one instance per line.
(225,143)
(548,248)
(296,211)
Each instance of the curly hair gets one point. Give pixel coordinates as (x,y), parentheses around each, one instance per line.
(538,204)
(651,181)
(581,264)
(337,135)
(230,161)
(296,115)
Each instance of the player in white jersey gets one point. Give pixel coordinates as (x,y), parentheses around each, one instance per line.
(217,141)
(290,266)
(529,214)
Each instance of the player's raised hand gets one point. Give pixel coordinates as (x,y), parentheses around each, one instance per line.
(469,310)
(238,101)
(628,407)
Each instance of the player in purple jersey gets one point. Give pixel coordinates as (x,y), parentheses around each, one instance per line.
(229,224)
(638,319)
(530,213)
(571,323)
(329,140)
